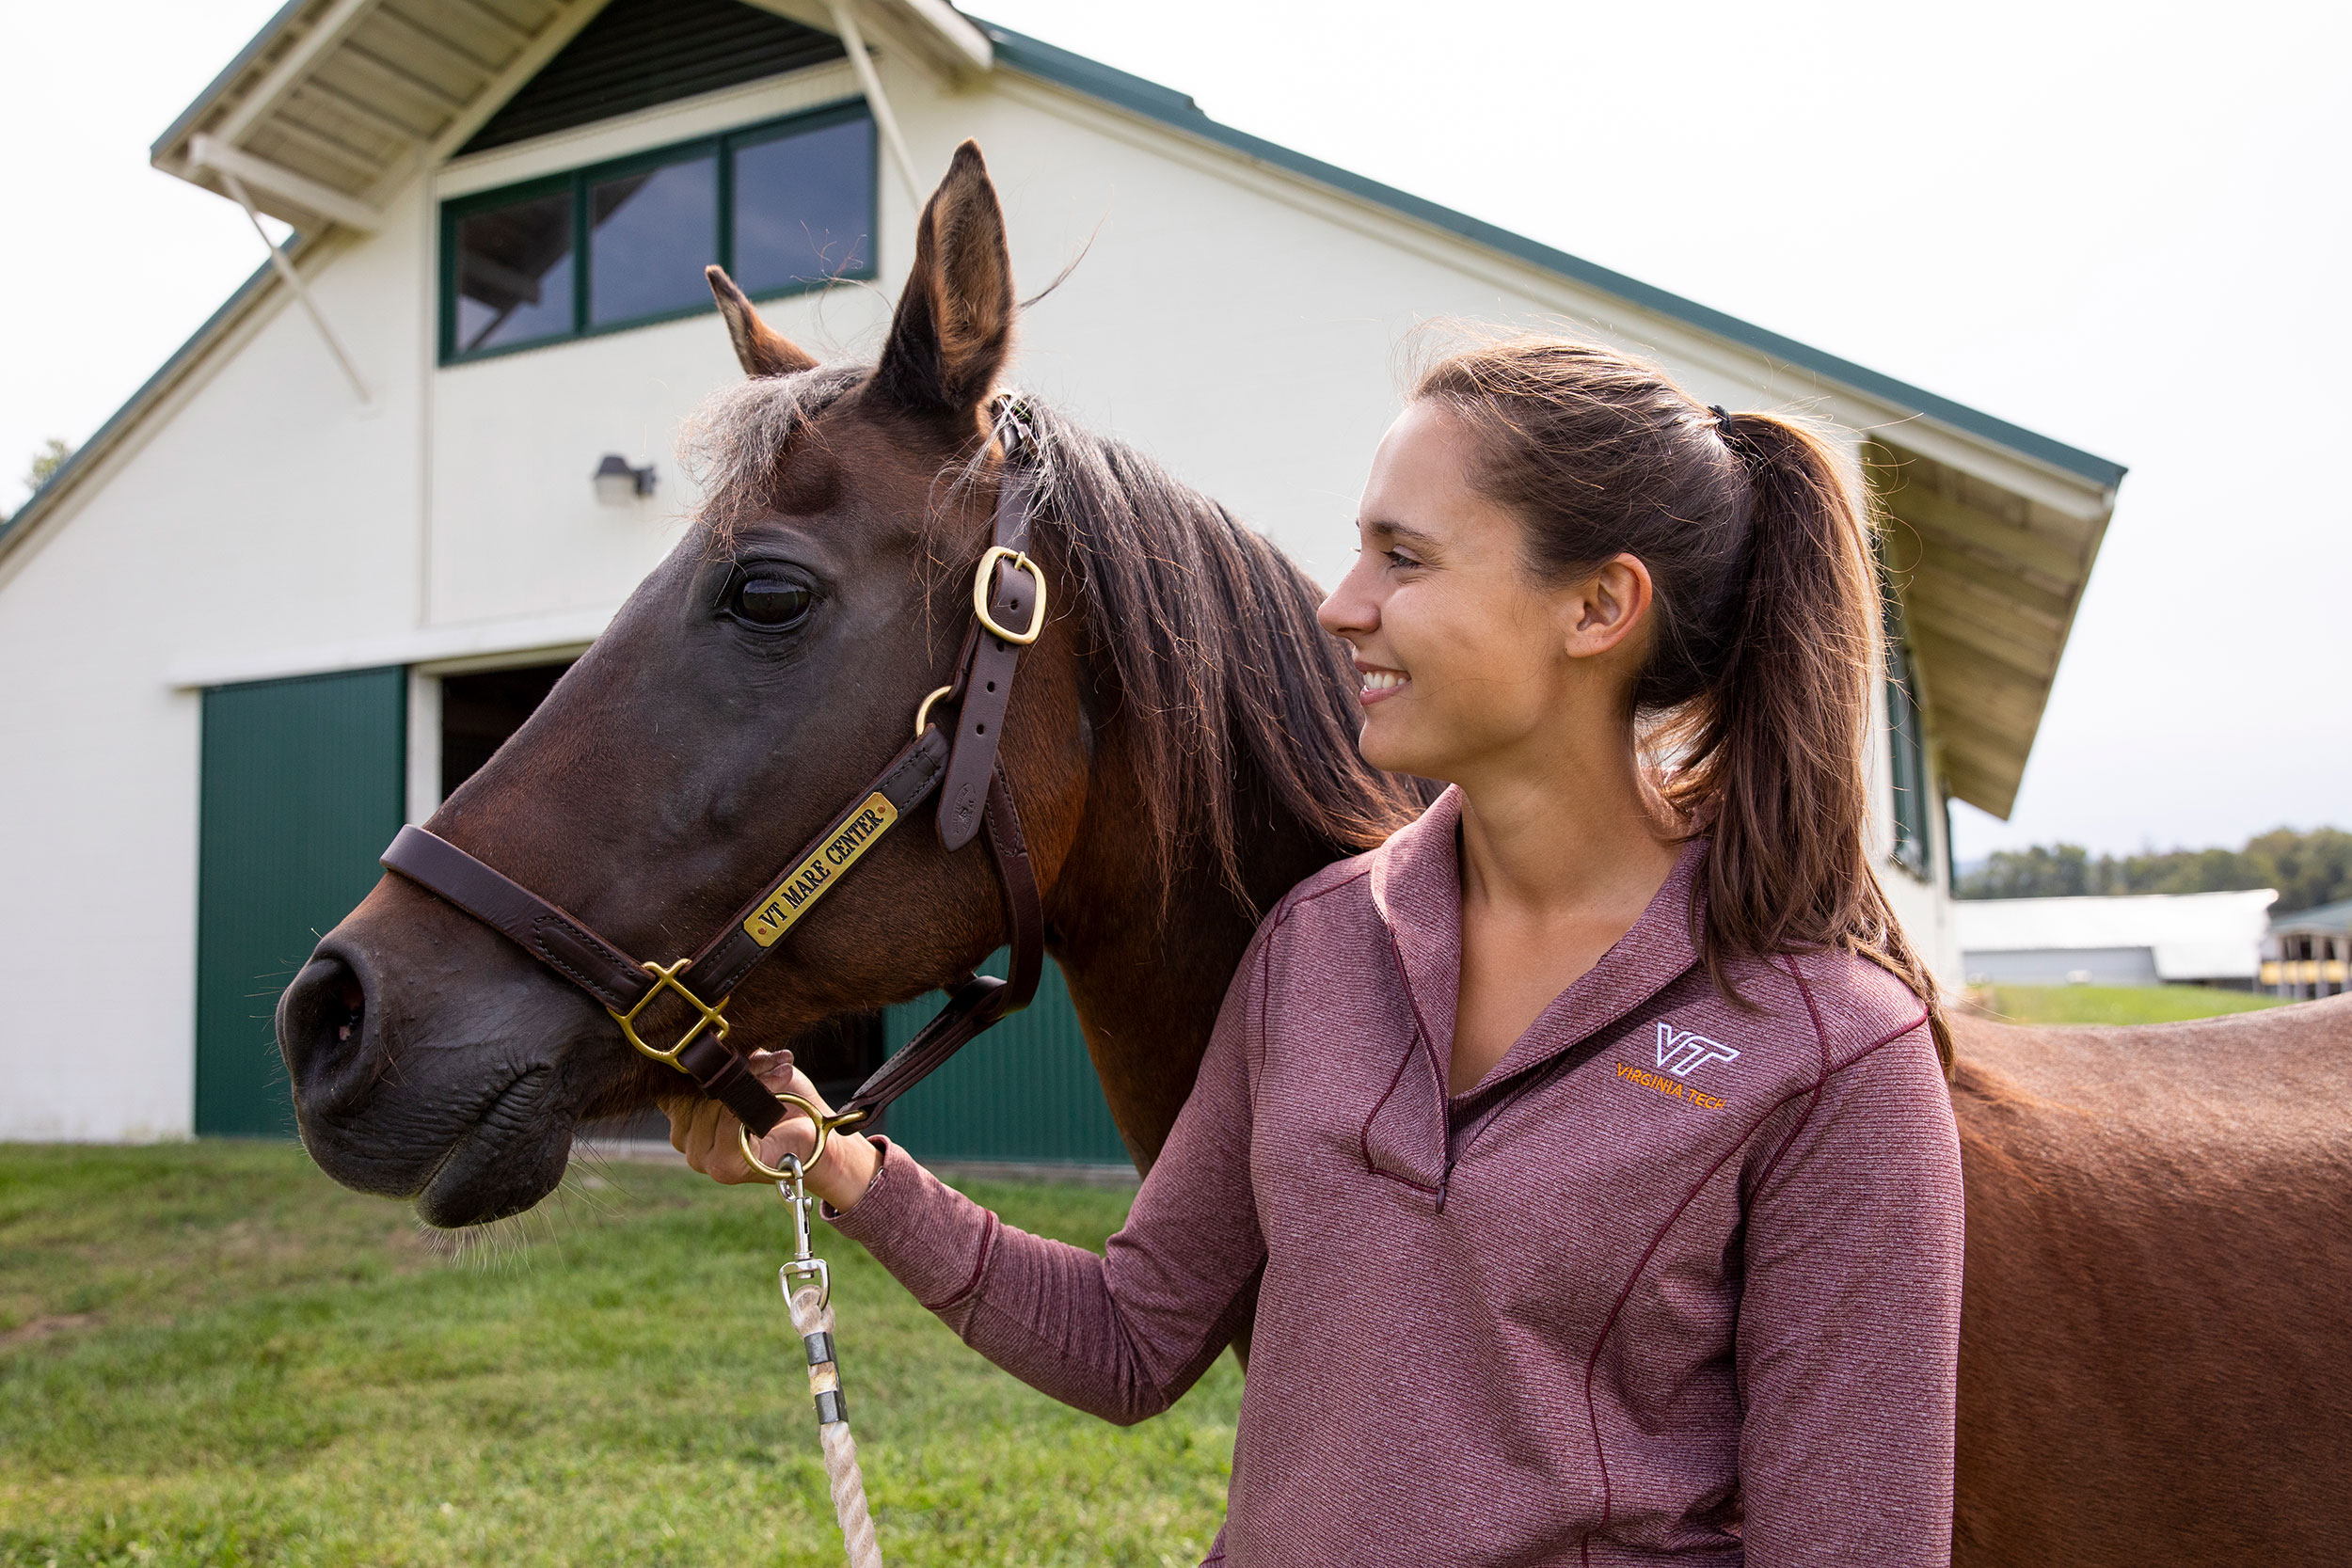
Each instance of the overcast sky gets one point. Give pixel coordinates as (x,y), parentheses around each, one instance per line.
(2123,226)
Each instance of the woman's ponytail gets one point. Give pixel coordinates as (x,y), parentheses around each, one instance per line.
(1756,693)
(1784,730)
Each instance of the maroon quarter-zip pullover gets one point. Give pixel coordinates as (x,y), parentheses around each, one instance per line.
(1676,1281)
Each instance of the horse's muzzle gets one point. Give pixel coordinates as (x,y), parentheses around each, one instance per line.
(472,1132)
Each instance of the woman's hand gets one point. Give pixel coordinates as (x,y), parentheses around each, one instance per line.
(708,1136)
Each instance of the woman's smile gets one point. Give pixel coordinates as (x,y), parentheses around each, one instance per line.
(1374,683)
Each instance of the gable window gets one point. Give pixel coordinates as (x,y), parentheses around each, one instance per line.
(1907,740)
(783,207)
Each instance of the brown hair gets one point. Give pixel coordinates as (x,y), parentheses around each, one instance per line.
(1763,624)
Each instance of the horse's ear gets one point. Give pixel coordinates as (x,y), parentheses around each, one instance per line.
(761,349)
(953,332)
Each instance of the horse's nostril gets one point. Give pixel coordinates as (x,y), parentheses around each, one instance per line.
(322,1019)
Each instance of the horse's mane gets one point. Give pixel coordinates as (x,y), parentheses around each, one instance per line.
(1209,634)
(1201,633)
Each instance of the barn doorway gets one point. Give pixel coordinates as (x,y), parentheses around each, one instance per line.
(480,709)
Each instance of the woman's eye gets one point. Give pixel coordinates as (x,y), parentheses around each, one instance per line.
(775,603)
(1398,557)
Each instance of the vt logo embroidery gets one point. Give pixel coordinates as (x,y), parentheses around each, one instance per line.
(1682,1051)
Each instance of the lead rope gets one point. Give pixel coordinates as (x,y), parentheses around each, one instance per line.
(808,1287)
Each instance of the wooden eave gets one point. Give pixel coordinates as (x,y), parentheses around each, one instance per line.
(337,104)
(1988,580)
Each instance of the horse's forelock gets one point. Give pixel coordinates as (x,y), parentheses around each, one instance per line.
(732,444)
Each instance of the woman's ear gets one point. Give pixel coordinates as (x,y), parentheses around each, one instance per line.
(1604,609)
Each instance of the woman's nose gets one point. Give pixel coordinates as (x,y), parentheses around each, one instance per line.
(1349,607)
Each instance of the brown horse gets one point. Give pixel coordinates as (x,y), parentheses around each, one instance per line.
(2155,1347)
(1180,747)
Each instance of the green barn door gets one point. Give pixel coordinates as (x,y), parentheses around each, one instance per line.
(1024,1092)
(303,786)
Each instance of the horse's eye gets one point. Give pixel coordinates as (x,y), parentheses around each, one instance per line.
(775,603)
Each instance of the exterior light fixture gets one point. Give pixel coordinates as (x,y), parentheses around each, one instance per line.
(617,483)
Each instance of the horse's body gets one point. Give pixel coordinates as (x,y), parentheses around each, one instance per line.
(1181,748)
(2156,1353)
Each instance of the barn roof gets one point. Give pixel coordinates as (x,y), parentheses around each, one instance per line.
(336,105)
(2326,920)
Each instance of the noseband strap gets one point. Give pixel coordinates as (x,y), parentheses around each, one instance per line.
(1008,604)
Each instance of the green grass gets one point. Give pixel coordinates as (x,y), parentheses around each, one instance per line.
(211,1354)
(2116,1004)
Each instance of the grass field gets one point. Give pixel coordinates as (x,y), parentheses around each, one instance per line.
(210,1355)
(2115,1004)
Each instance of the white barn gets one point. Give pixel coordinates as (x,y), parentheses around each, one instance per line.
(330,551)
(2147,939)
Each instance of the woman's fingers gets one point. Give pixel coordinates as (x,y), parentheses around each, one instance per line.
(703,1135)
(680,1112)
(704,1131)
(707,1133)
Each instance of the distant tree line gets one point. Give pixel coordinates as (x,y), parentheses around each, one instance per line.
(2308,869)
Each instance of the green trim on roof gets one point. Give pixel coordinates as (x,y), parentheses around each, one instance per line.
(136,403)
(1149,99)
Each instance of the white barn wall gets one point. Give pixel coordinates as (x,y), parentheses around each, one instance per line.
(261,510)
(1241,325)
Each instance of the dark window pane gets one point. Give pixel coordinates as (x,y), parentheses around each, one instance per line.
(803,207)
(515,273)
(649,238)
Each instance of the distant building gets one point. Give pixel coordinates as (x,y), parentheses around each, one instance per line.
(2309,953)
(2207,939)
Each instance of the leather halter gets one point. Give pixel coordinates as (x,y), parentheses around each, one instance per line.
(1009,612)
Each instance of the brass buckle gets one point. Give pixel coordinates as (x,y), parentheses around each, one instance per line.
(979,594)
(666,979)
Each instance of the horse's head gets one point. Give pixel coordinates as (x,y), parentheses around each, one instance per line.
(748,689)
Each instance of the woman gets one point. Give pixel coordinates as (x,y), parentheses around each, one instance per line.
(1583,1152)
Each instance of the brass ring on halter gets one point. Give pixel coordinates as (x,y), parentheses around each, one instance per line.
(817,1120)
(923,714)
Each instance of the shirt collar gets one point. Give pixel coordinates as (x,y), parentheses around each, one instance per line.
(1417,889)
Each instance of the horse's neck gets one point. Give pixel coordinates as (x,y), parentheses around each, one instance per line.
(1147,982)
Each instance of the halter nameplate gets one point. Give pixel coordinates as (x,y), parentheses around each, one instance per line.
(798,892)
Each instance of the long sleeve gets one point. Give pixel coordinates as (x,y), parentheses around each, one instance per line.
(1849,1323)
(1122,1333)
